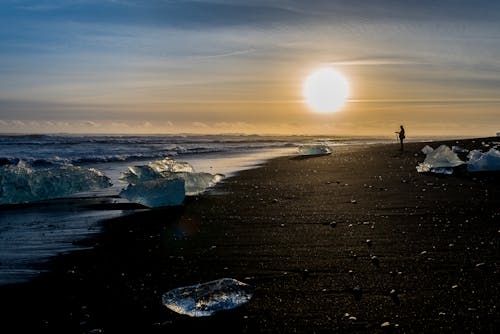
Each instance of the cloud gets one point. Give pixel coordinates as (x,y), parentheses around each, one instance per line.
(90,123)
(200,125)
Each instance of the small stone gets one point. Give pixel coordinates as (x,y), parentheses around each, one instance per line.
(394,296)
(454,286)
(368,242)
(480,265)
(333,224)
(385,324)
(357,292)
(423,252)
(353,201)
(375,261)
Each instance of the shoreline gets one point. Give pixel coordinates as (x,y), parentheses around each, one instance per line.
(271,227)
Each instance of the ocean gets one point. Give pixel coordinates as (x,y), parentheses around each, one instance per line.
(34,227)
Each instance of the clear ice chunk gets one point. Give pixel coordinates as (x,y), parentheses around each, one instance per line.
(156,193)
(170,169)
(205,299)
(442,157)
(314,150)
(19,183)
(479,161)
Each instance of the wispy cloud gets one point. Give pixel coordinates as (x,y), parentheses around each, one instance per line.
(226,54)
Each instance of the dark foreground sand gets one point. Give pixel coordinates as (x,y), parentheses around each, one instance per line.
(436,238)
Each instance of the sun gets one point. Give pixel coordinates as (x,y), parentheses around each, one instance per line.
(325,90)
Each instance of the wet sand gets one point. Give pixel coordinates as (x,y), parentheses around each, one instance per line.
(304,233)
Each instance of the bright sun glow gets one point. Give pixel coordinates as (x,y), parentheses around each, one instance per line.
(326,90)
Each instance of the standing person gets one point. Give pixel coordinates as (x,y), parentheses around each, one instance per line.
(401,135)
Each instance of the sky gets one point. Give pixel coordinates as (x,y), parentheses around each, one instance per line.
(217,66)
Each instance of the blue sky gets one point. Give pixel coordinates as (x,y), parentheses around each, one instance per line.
(238,66)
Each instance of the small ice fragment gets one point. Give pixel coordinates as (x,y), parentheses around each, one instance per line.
(442,170)
(205,299)
(458,149)
(156,193)
(314,150)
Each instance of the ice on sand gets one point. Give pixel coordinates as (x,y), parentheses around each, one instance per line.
(156,193)
(427,149)
(205,299)
(479,161)
(314,150)
(157,184)
(440,160)
(20,183)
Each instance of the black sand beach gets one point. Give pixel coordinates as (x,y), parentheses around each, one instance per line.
(303,232)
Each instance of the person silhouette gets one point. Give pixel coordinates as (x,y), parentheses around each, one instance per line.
(401,135)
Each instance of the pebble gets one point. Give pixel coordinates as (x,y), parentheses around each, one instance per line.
(357,292)
(385,324)
(353,201)
(333,224)
(375,261)
(368,242)
(394,296)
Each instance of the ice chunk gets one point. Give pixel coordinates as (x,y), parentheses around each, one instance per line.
(196,183)
(156,193)
(442,157)
(479,161)
(427,149)
(171,165)
(151,171)
(170,169)
(314,150)
(205,299)
(20,183)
